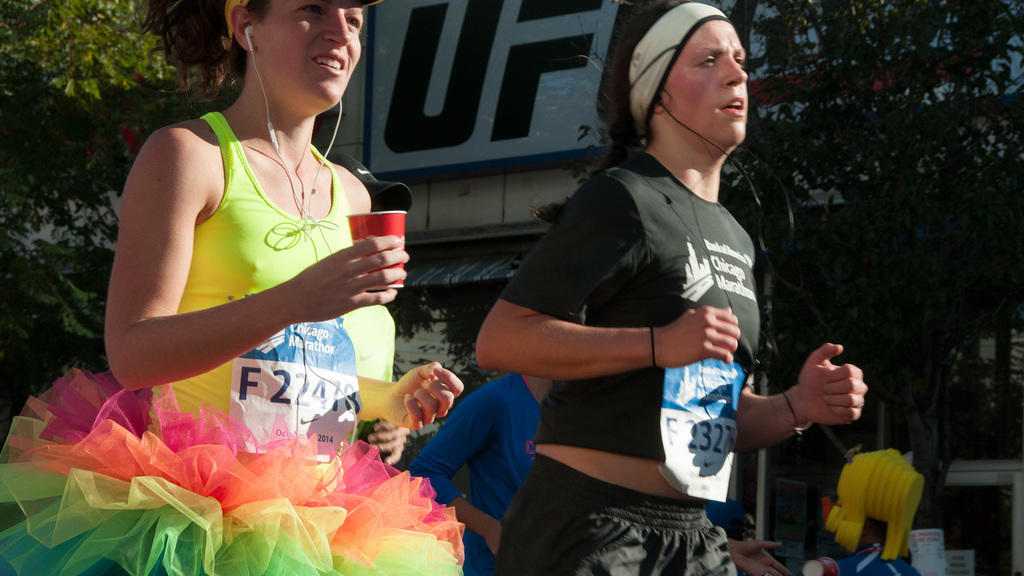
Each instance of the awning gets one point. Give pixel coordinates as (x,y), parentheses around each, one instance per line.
(457,257)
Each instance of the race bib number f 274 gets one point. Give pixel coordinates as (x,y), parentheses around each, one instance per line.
(302,381)
(698,426)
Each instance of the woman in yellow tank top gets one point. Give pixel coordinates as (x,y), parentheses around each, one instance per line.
(240,323)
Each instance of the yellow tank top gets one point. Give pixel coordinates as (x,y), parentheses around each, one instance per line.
(249,245)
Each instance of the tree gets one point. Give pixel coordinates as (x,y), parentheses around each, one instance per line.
(80,88)
(894,129)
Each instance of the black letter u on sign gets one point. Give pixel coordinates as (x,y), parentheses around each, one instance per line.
(407,128)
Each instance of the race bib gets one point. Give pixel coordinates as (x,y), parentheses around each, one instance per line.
(698,426)
(300,381)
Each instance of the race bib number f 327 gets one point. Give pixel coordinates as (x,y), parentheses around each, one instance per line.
(302,381)
(698,426)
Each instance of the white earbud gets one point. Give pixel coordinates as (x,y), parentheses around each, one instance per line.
(270,126)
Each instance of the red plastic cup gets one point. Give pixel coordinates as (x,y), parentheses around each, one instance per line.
(387,223)
(823,566)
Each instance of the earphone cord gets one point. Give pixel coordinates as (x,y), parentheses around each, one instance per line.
(753,189)
(770,337)
(323,160)
(299,202)
(304,203)
(306,226)
(349,406)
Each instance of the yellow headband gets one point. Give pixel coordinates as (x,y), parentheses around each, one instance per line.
(230,4)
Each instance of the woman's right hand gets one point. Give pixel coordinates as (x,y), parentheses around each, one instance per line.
(348,279)
(698,334)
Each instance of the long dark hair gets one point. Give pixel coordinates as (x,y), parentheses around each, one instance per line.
(193,34)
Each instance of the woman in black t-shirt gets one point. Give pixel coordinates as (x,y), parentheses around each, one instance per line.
(640,303)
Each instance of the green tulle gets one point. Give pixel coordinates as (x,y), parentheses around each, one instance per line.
(113,501)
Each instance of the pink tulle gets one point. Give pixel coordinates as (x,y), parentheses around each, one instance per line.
(93,424)
(80,401)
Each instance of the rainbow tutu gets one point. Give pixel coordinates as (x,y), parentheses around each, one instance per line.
(95,478)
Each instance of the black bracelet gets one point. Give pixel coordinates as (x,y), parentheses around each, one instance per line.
(796,421)
(654,362)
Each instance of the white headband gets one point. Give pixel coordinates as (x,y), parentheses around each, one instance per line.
(656,52)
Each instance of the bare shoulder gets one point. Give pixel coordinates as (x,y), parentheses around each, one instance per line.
(183,163)
(192,139)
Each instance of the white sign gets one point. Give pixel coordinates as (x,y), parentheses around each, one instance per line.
(928,552)
(465,84)
(959,562)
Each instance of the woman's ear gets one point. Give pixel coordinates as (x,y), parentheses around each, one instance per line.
(658,106)
(240,24)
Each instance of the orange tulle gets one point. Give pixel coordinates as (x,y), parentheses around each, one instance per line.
(108,461)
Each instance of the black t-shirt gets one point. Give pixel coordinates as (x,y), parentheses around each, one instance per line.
(633,247)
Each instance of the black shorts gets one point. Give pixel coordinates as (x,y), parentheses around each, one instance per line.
(564,522)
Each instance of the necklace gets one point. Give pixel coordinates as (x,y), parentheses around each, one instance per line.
(289,234)
(307,222)
(302,203)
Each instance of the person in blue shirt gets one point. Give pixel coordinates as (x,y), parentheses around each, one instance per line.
(491,431)
(867,559)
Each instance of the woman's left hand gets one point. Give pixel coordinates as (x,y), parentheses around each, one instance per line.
(426,392)
(752,557)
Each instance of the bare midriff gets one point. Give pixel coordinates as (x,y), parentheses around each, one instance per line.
(639,474)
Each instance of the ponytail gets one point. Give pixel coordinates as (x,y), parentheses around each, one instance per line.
(193,34)
(615,108)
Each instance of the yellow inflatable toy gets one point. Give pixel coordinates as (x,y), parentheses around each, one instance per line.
(879,485)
